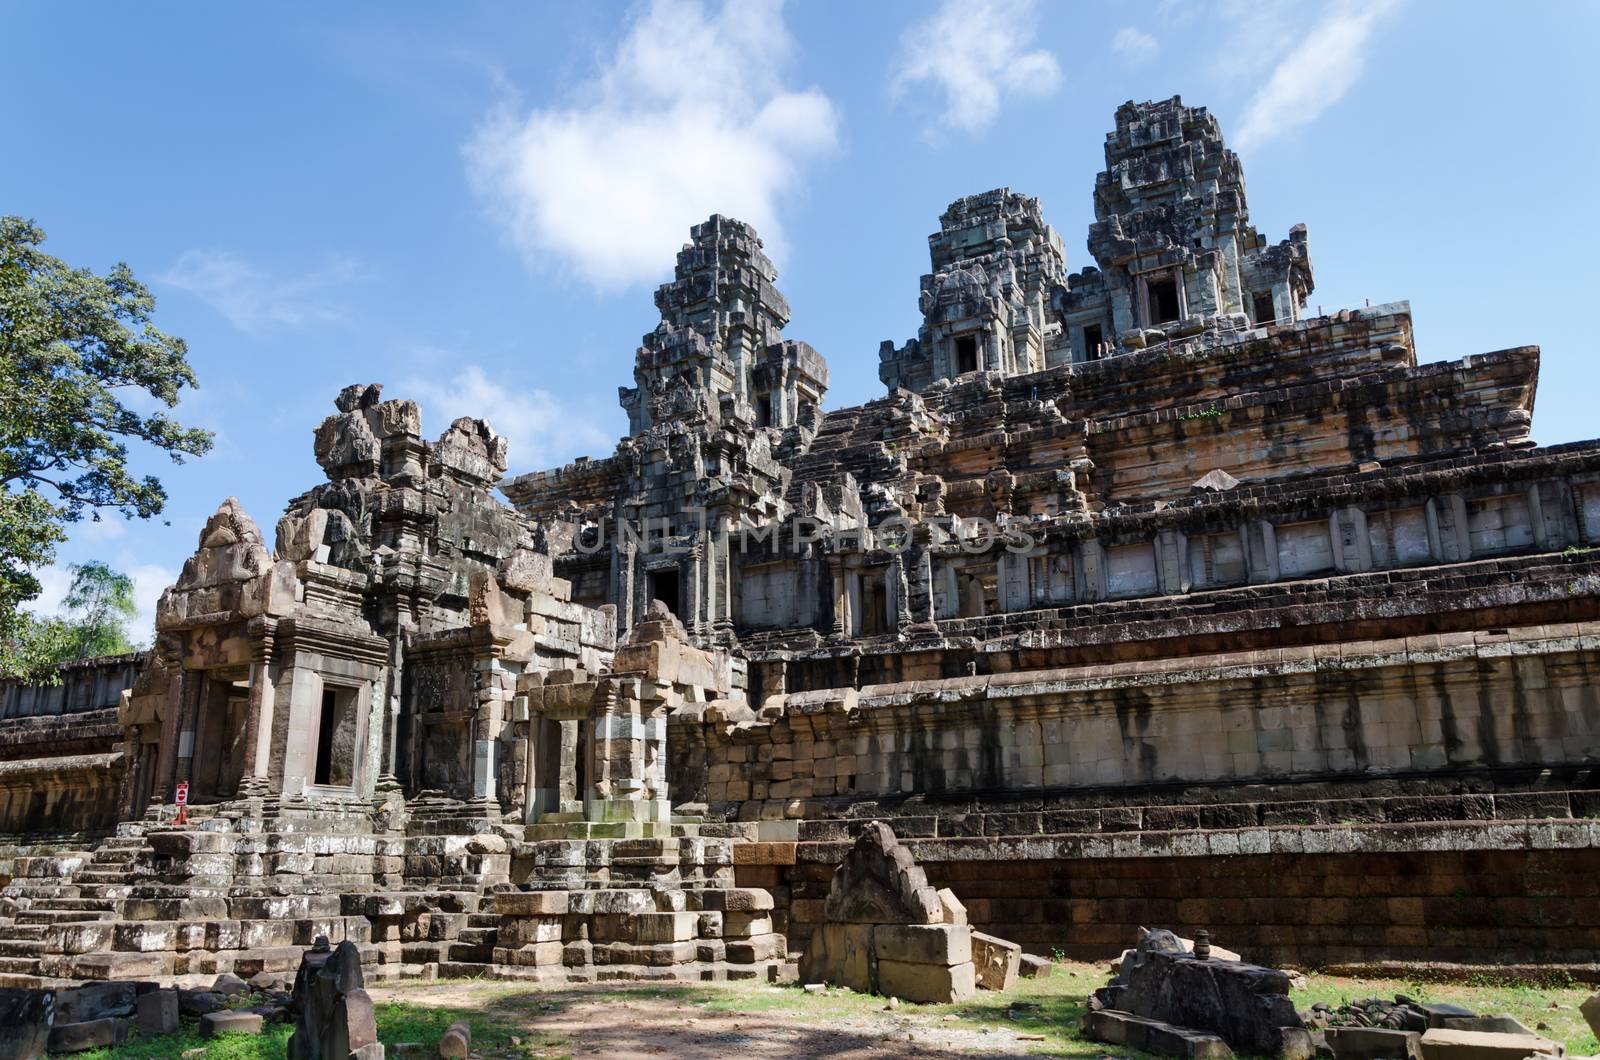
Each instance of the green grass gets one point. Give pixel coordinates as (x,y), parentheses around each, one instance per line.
(398,1021)
(1052,1008)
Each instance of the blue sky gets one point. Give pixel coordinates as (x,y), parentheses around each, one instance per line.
(472,203)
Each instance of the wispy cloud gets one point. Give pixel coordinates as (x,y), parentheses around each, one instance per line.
(253,299)
(689,117)
(976,52)
(541,430)
(1319,68)
(1134,46)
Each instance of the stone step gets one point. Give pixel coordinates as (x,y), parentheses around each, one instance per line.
(67,904)
(21,947)
(22,980)
(62,916)
(466,970)
(19,966)
(479,936)
(458,952)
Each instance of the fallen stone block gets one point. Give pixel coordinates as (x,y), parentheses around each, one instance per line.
(1373,1043)
(1153,1036)
(213,1024)
(1491,1024)
(1441,1044)
(199,1002)
(229,985)
(457,1042)
(89,1034)
(840,954)
(1244,1004)
(158,1012)
(25,1017)
(1591,1012)
(1030,966)
(93,1001)
(996,960)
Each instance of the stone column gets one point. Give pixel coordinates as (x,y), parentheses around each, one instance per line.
(258,720)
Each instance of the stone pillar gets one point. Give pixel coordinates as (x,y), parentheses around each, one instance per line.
(194,684)
(388,773)
(841,601)
(258,720)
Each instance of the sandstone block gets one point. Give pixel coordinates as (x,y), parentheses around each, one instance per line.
(996,960)
(1440,1044)
(89,1034)
(1032,967)
(215,1024)
(158,1012)
(531,903)
(954,912)
(926,983)
(1373,1043)
(840,954)
(1153,1036)
(666,927)
(1591,1012)
(942,944)
(457,1041)
(25,1017)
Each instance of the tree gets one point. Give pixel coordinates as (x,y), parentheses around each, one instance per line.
(73,345)
(99,607)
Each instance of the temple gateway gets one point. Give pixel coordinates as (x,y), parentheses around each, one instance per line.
(1149,593)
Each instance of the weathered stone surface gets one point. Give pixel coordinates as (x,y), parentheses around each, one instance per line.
(879,883)
(1153,1036)
(1030,966)
(1373,1043)
(102,1033)
(1591,1012)
(25,1020)
(1440,1044)
(216,1024)
(158,1012)
(333,1013)
(996,961)
(926,983)
(1246,1005)
(457,1041)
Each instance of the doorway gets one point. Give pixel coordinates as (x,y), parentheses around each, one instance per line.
(663,586)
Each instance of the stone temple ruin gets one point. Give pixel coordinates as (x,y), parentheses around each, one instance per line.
(1147,594)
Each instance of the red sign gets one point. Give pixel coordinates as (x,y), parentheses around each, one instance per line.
(181,797)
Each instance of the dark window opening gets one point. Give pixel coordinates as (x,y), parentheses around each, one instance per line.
(664,587)
(1093,340)
(764,410)
(336,738)
(1163,296)
(874,606)
(966,355)
(1264,313)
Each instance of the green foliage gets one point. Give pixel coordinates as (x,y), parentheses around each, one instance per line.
(99,607)
(1203,414)
(73,345)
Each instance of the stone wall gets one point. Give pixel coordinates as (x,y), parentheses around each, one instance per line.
(1447,701)
(1451,892)
(61,761)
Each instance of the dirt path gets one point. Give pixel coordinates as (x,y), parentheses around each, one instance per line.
(618,1023)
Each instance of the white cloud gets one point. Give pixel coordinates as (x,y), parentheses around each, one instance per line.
(1320,67)
(975,52)
(254,300)
(1134,46)
(149,581)
(688,118)
(540,429)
